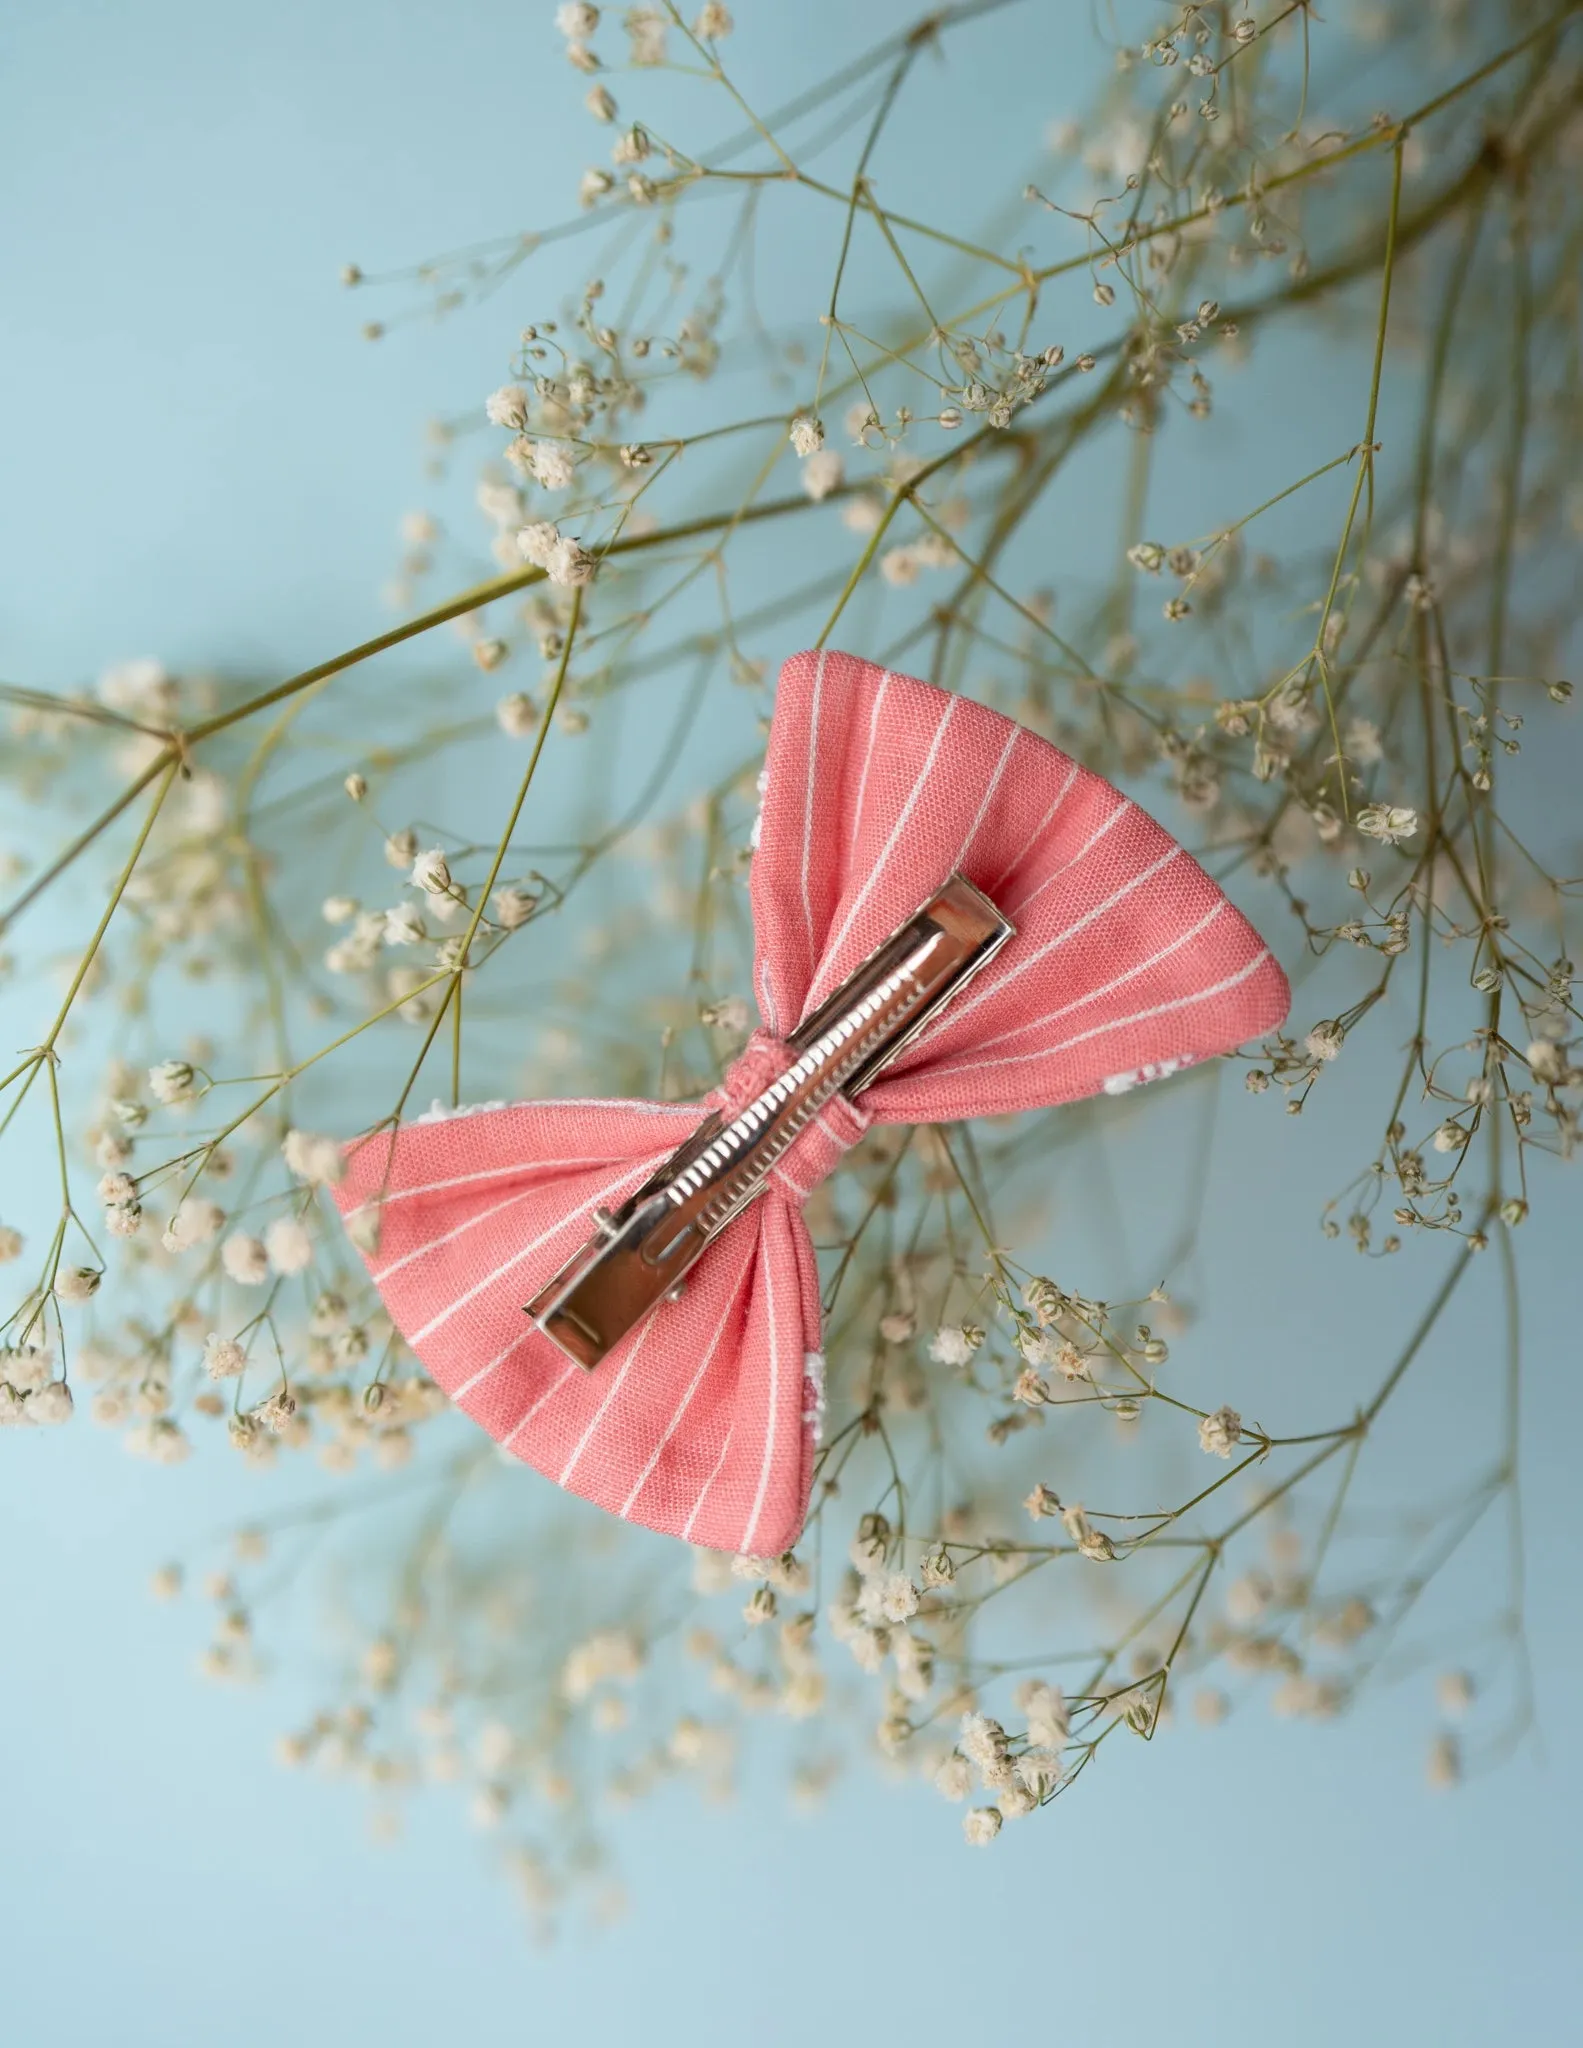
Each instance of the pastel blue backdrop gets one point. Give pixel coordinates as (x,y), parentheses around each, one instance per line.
(204,461)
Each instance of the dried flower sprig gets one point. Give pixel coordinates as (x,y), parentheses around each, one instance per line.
(1378,676)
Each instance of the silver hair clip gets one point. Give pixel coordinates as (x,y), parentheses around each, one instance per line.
(641,1253)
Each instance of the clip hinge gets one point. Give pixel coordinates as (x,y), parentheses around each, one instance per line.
(640,1254)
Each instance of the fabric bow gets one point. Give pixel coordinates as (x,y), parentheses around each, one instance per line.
(1128,963)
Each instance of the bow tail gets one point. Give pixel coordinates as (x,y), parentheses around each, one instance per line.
(694,1423)
(744,1481)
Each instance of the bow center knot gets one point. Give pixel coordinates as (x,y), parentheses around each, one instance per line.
(817,1150)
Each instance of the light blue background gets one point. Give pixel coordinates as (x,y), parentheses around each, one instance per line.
(204,461)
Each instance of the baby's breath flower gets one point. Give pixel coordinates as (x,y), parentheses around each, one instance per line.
(223,1357)
(537,542)
(576,20)
(245,1259)
(11,1242)
(937,1568)
(312,1158)
(51,1405)
(955,1344)
(1220,1433)
(1547,1061)
(870,1547)
(196,1221)
(806,434)
(982,1741)
(77,1283)
(507,407)
(1391,823)
(431,872)
(288,1246)
(554,465)
(172,1082)
(517,715)
(277,1411)
(953,1779)
(898,1597)
(980,1826)
(822,472)
(569,564)
(1049,1723)
(160,1440)
(714,21)
(645,27)
(1092,1542)
(512,907)
(1325,1040)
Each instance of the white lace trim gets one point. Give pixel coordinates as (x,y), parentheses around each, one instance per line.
(813,1381)
(1122,1084)
(442,1113)
(758,821)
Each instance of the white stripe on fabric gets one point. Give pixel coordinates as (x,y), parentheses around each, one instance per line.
(841,1144)
(568,1372)
(873,727)
(896,830)
(1109,987)
(446,1237)
(1060,798)
(435,1187)
(1126,804)
(954,1012)
(675,1422)
(774,1393)
(615,1387)
(994,784)
(637,1168)
(687,1526)
(807,826)
(1202,995)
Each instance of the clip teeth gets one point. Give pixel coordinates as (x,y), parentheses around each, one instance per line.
(641,1254)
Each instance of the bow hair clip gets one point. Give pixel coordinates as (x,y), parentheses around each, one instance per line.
(952,918)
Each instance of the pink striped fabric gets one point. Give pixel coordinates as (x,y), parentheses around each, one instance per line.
(1128,963)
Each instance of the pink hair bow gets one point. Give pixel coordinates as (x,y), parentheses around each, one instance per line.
(1126,963)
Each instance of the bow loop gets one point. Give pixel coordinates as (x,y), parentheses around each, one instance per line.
(1128,959)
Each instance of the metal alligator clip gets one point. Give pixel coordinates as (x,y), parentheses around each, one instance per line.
(640,1253)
